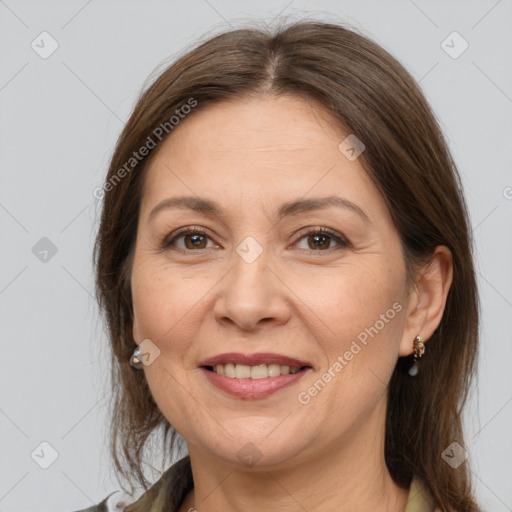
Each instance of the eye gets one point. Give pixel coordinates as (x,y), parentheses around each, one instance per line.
(193,238)
(320,239)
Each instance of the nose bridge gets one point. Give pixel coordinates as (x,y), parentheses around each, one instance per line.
(249,279)
(250,291)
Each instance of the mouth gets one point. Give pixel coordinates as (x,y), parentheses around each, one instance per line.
(253,366)
(253,376)
(259,371)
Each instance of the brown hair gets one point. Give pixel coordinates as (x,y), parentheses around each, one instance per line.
(406,156)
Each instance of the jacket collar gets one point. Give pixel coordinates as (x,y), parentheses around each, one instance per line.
(168,493)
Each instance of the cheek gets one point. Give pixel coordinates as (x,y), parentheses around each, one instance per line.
(359,314)
(165,311)
(170,305)
(150,302)
(159,301)
(353,298)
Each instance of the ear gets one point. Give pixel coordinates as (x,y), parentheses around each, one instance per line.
(427,299)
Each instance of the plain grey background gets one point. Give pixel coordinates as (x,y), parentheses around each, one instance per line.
(60,117)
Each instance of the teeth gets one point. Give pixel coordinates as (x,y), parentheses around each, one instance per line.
(229,370)
(242,371)
(274,370)
(260,371)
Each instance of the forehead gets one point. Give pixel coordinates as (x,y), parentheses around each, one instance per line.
(258,122)
(282,147)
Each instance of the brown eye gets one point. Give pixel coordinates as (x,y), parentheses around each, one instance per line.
(193,239)
(321,239)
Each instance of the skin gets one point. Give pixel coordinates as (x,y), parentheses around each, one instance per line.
(252,156)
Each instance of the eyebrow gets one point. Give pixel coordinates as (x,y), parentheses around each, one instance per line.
(213,209)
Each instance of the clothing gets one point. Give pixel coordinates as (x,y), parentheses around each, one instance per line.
(168,493)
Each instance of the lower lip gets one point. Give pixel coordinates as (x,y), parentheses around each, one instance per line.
(251,389)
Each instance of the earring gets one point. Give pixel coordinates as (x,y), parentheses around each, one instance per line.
(419,350)
(135,359)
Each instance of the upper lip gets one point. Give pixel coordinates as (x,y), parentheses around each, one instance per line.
(254,359)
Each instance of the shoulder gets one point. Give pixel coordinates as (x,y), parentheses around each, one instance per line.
(170,489)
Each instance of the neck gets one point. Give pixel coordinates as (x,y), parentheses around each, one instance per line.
(350,474)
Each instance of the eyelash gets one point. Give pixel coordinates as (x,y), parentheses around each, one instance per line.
(338,238)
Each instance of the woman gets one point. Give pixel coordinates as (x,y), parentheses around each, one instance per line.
(284,262)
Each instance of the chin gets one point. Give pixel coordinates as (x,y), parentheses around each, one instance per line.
(254,443)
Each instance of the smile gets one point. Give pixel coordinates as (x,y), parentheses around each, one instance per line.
(253,376)
(260,371)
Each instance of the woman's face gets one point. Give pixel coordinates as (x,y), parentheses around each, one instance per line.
(258,281)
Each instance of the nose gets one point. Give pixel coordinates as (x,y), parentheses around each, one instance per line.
(252,295)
